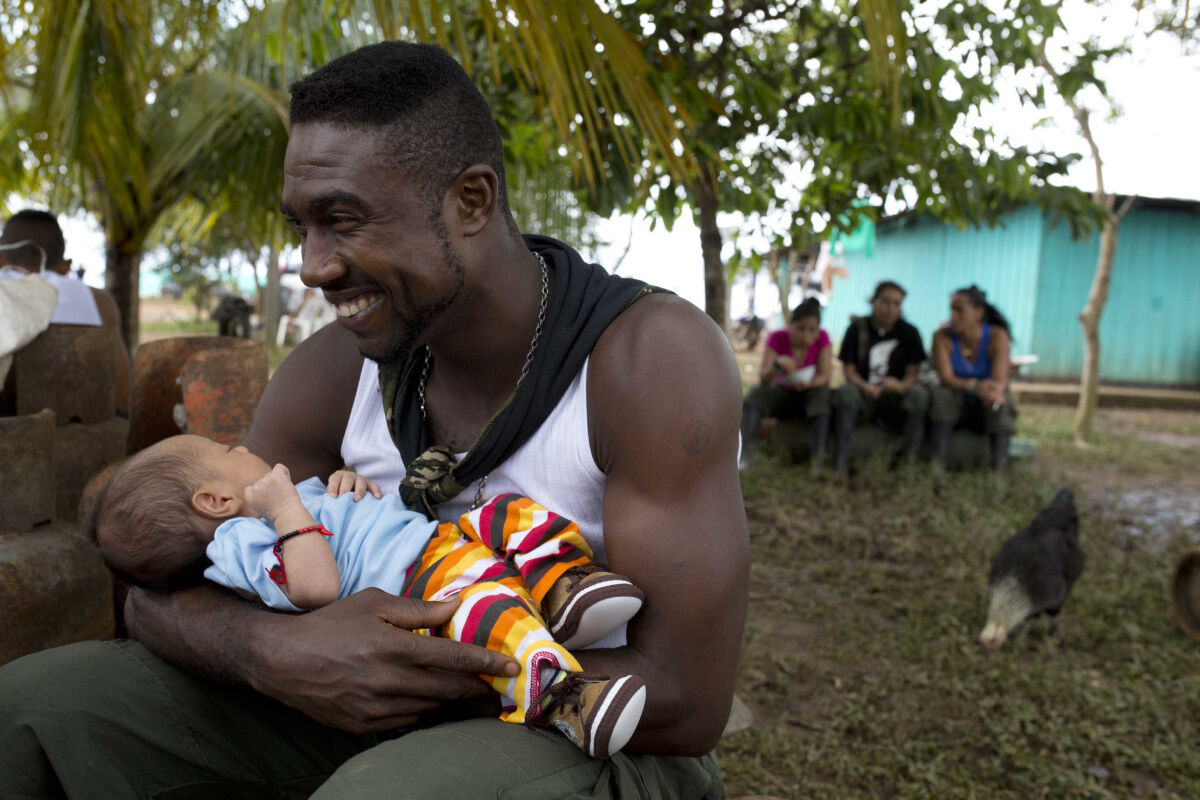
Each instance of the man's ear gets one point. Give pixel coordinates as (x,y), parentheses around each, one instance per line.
(211,502)
(474,193)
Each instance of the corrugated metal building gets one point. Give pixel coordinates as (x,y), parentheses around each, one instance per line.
(1039,278)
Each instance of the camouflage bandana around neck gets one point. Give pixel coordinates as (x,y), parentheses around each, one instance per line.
(584,301)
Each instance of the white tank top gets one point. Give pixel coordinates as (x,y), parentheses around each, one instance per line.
(554,467)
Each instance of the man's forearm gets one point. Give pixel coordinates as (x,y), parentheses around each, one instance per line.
(205,630)
(666,726)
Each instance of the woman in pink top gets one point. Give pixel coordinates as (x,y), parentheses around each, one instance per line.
(793,382)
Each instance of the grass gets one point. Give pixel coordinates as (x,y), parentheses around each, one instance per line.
(860,662)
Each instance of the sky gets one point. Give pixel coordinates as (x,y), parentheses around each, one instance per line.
(1151,147)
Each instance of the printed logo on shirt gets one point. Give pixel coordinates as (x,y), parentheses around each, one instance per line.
(878,358)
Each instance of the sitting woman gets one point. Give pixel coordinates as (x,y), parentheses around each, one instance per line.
(793,382)
(971,357)
(881,356)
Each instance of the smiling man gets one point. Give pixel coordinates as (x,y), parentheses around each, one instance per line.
(468,361)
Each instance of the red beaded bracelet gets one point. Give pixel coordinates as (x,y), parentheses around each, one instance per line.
(276,572)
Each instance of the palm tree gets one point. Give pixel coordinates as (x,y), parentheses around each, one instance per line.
(126,108)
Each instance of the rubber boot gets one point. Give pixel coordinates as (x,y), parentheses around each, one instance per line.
(845,429)
(939,440)
(914,437)
(1000,443)
(751,419)
(820,436)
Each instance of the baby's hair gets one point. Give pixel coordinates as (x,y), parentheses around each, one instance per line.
(978,298)
(141,519)
(883,286)
(809,308)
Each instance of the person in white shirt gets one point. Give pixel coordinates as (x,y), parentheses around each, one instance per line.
(32,242)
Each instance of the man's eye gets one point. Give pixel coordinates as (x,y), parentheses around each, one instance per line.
(341,223)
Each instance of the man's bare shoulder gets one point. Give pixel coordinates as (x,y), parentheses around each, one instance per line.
(655,325)
(662,369)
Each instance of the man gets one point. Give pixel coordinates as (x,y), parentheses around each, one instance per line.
(32,241)
(394,180)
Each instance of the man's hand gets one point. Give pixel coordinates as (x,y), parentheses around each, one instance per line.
(273,493)
(872,390)
(356,665)
(344,481)
(891,384)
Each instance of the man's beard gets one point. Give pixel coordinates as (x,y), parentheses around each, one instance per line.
(413,329)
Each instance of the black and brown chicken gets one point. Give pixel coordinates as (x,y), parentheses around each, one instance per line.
(1034,570)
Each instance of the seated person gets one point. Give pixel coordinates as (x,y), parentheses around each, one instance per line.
(793,382)
(188,508)
(32,241)
(971,356)
(881,356)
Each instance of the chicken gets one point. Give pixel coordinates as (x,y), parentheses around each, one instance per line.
(1034,570)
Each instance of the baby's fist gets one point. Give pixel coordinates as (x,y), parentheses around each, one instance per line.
(273,492)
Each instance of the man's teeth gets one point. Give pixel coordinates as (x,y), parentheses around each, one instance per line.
(351,307)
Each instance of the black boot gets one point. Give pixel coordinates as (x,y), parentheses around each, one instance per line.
(939,440)
(914,437)
(751,418)
(1000,443)
(845,429)
(820,435)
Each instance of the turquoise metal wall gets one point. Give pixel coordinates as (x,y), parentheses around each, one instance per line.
(1150,331)
(931,260)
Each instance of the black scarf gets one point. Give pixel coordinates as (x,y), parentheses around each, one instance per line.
(585,300)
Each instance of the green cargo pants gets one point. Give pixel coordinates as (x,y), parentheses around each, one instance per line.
(110,720)
(960,409)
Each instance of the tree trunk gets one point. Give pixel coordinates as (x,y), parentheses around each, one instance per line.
(715,300)
(270,306)
(121,275)
(1089,320)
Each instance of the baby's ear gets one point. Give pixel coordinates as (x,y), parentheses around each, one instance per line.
(215,504)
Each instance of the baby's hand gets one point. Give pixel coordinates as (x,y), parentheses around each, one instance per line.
(274,492)
(344,481)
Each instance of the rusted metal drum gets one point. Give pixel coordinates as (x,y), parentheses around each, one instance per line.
(215,380)
(53,590)
(79,452)
(27,495)
(68,368)
(53,587)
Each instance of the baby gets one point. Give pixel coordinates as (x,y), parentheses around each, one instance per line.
(189,508)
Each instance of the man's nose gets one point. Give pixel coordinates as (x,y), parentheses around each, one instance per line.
(319,264)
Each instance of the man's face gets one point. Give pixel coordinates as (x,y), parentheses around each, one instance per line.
(369,239)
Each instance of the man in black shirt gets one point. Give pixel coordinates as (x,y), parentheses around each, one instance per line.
(881,356)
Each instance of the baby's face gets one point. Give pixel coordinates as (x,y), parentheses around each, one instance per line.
(235,465)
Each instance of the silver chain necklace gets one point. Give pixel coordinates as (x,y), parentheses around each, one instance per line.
(537,334)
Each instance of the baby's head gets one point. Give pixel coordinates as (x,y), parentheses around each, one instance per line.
(156,514)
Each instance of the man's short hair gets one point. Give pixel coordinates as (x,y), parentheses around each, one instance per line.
(40,227)
(429,112)
(141,521)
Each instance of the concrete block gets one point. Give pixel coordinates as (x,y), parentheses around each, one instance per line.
(26,470)
(53,590)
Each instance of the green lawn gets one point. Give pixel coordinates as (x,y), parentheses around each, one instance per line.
(860,661)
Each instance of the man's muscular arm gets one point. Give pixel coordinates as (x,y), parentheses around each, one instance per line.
(664,403)
(351,664)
